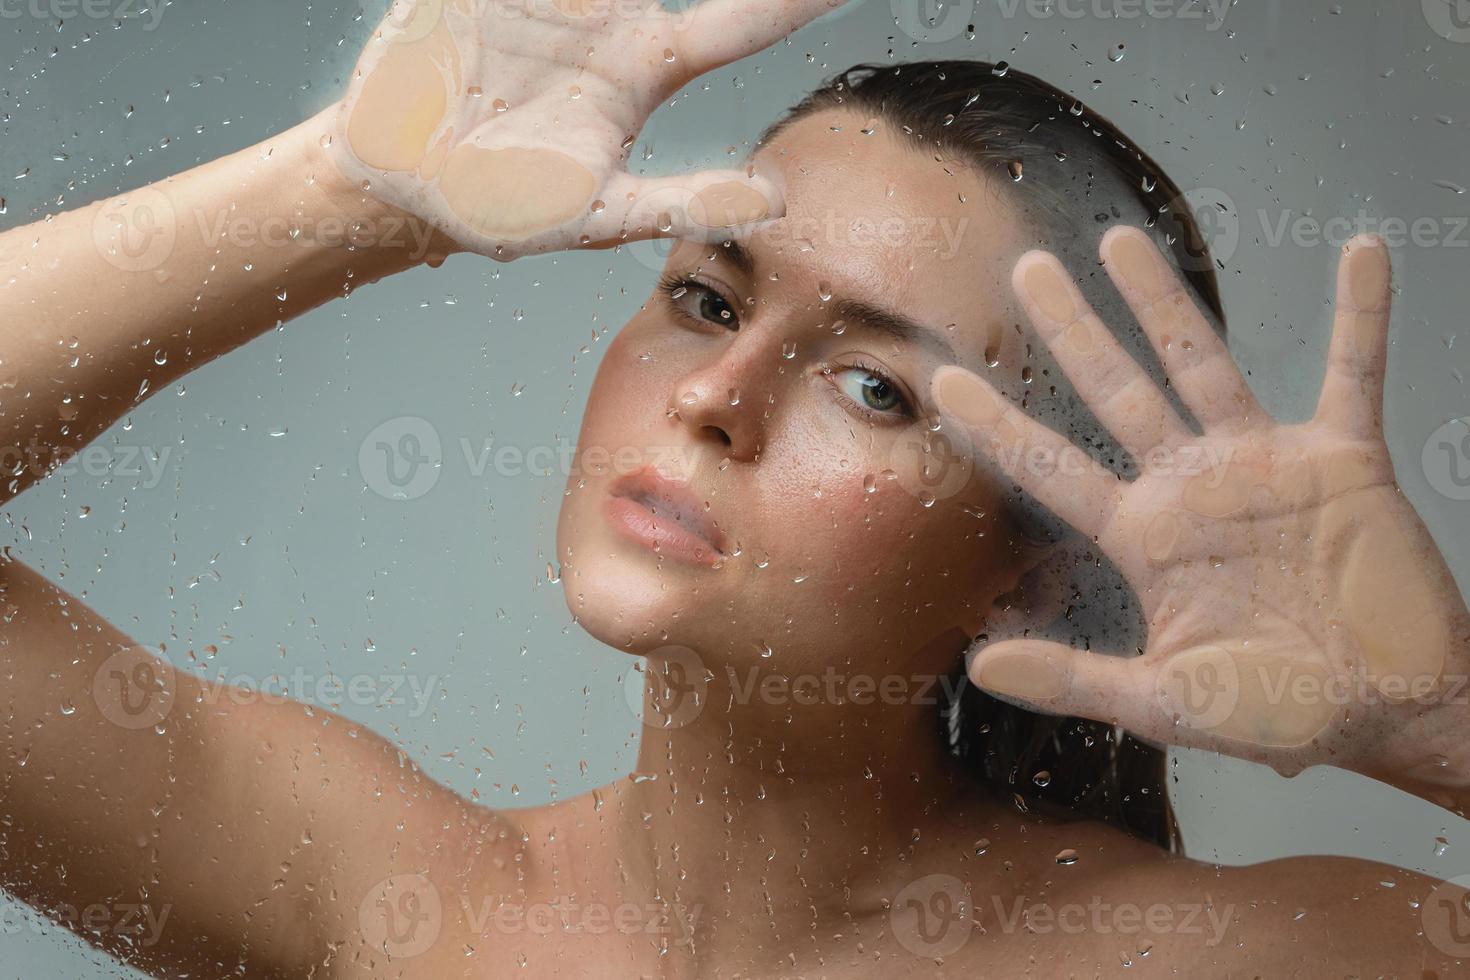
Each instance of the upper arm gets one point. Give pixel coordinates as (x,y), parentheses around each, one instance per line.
(227,829)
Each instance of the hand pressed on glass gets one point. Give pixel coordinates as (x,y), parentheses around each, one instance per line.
(507,124)
(1298,611)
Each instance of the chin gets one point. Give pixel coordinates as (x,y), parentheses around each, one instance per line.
(630,601)
(625,594)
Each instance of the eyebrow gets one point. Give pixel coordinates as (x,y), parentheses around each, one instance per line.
(738,255)
(899,327)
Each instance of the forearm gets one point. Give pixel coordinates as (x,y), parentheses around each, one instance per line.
(103,306)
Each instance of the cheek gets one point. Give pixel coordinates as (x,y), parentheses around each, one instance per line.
(627,392)
(876,516)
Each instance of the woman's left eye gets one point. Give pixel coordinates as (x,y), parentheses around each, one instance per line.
(870,390)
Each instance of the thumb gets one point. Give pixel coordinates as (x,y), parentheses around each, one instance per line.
(708,206)
(1055,679)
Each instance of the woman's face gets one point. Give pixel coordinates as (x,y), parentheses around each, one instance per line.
(805,511)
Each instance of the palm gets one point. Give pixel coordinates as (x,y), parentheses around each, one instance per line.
(507,123)
(1298,612)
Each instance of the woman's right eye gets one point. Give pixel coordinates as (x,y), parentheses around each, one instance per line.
(696,300)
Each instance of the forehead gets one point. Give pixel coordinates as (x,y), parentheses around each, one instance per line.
(874,216)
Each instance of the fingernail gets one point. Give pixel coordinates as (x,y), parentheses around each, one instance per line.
(1051,295)
(1022,676)
(1136,264)
(728,203)
(1368,276)
(964,396)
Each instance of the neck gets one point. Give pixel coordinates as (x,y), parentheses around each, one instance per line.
(793,805)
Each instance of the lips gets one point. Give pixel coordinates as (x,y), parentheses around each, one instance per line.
(664,516)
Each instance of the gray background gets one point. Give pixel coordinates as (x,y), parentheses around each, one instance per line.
(264,536)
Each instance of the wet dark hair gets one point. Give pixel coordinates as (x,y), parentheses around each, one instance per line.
(1003,121)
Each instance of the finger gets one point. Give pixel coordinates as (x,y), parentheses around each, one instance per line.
(1118,391)
(718,32)
(1055,679)
(708,206)
(1062,477)
(1194,356)
(1357,359)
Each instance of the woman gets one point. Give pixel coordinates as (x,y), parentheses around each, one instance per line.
(831,409)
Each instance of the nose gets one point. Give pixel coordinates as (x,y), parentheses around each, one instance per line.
(726,400)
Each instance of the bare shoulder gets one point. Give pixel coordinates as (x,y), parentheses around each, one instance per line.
(392,847)
(1109,901)
(1304,915)
(465,886)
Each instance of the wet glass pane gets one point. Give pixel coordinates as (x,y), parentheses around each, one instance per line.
(513,487)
